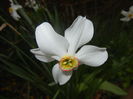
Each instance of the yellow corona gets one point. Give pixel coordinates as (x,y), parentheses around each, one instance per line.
(10,10)
(68,63)
(130,15)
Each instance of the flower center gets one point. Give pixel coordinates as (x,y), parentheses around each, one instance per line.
(68,63)
(10,10)
(130,15)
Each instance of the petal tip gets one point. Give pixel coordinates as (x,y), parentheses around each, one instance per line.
(42,25)
(84,17)
(61,83)
(80,16)
(32,50)
(104,49)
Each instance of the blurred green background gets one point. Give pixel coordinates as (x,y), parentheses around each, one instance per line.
(24,77)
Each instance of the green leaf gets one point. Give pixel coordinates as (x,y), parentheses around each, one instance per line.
(108,86)
(56,94)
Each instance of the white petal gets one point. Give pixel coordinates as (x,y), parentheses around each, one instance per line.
(125,19)
(92,55)
(41,56)
(131,9)
(56,58)
(79,33)
(49,41)
(15,15)
(16,7)
(60,76)
(125,13)
(35,7)
(11,1)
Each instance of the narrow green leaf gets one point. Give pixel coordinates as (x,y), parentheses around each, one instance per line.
(108,86)
(56,94)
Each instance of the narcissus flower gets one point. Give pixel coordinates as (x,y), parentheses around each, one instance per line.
(53,46)
(13,10)
(128,14)
(32,4)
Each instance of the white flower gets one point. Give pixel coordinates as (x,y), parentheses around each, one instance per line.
(13,10)
(53,46)
(32,4)
(128,14)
